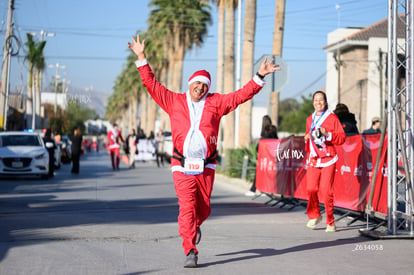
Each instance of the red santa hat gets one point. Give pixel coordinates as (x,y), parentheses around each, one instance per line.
(202,76)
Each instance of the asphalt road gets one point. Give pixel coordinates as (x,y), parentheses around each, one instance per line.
(125,222)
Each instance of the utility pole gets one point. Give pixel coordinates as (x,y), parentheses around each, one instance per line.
(277,50)
(5,68)
(57,66)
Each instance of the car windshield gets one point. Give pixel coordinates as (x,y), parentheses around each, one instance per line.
(20,140)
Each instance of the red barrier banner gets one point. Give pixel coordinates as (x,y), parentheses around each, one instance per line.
(281,169)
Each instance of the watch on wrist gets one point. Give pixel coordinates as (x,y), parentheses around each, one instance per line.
(259,75)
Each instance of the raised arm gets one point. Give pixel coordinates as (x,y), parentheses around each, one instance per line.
(138,47)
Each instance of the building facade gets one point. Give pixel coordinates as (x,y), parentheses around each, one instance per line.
(357,70)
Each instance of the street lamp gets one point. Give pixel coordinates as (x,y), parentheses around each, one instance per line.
(57,66)
(43,33)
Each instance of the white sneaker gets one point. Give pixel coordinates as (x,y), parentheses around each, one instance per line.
(330,228)
(313,222)
(191,259)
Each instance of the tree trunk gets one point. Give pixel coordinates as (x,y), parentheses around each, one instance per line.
(220,50)
(152,112)
(228,129)
(245,125)
(38,103)
(29,99)
(220,66)
(178,57)
(277,50)
(143,120)
(33,105)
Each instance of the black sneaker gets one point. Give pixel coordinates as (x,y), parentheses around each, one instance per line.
(191,259)
(198,238)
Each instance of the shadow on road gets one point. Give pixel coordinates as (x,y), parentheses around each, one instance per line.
(270,252)
(31,208)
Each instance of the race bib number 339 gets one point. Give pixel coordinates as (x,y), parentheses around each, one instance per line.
(193,166)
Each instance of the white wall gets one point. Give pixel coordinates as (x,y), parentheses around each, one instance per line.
(373,86)
(331,71)
(51,98)
(373,89)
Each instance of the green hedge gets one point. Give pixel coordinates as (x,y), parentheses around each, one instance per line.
(233,165)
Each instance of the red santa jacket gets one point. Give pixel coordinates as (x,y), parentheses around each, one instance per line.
(321,152)
(215,107)
(114,138)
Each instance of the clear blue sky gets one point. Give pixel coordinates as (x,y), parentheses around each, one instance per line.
(92,35)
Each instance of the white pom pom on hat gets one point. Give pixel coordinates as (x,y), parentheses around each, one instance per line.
(202,76)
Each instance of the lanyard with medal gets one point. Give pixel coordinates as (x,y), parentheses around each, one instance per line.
(315,123)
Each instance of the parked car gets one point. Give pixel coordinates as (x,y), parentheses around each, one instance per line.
(23,153)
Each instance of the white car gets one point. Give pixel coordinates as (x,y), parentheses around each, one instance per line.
(23,153)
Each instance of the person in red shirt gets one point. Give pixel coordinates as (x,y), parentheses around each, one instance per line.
(114,138)
(195,118)
(323,132)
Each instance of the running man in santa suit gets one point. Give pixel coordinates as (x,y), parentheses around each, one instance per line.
(195,117)
(114,138)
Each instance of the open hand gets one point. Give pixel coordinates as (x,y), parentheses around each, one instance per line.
(138,47)
(268,67)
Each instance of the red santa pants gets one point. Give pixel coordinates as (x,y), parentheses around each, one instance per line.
(194,193)
(115,157)
(321,179)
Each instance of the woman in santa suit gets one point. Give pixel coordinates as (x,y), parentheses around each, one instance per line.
(114,138)
(195,118)
(323,132)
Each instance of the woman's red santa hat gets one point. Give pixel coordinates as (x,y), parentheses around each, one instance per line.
(202,76)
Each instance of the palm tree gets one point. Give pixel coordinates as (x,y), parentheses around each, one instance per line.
(184,24)
(174,26)
(155,52)
(247,72)
(40,66)
(115,105)
(31,47)
(158,50)
(134,88)
(36,60)
(122,105)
